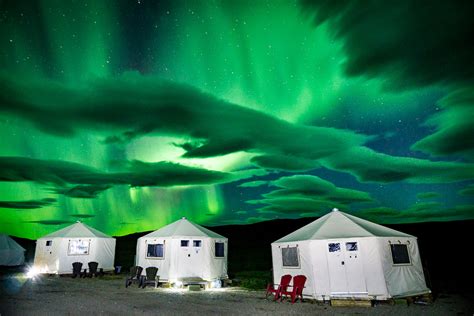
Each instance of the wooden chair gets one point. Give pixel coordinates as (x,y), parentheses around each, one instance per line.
(150,277)
(134,276)
(76,269)
(284,283)
(92,269)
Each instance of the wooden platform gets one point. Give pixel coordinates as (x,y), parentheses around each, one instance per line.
(350,303)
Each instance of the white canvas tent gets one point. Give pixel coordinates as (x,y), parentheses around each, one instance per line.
(11,253)
(79,242)
(344,256)
(183,250)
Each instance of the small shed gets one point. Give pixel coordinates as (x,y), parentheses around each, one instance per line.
(79,242)
(11,253)
(184,250)
(344,256)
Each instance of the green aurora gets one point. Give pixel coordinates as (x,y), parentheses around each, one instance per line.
(128,115)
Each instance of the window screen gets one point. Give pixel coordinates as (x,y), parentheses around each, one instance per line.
(290,257)
(49,242)
(78,247)
(196,243)
(155,251)
(400,254)
(351,246)
(219,249)
(334,247)
(184,243)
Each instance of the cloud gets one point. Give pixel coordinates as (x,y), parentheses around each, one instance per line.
(82,215)
(83,191)
(432,46)
(91,181)
(428,195)
(50,222)
(370,166)
(286,163)
(406,43)
(454,127)
(467,191)
(297,205)
(32,204)
(253,184)
(418,212)
(308,194)
(133,105)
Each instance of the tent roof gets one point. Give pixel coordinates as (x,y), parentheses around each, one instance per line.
(7,243)
(77,230)
(183,227)
(337,224)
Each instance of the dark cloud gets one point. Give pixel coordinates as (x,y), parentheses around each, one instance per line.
(253,184)
(32,204)
(411,44)
(308,194)
(428,195)
(91,181)
(83,191)
(132,106)
(369,166)
(418,212)
(454,127)
(287,163)
(467,191)
(297,205)
(316,188)
(212,126)
(82,215)
(407,43)
(50,222)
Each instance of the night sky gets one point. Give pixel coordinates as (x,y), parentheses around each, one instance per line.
(128,115)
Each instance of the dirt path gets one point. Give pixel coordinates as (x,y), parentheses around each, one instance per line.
(108,296)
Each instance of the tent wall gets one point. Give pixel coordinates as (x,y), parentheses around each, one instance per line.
(47,257)
(218,266)
(12,257)
(305,264)
(55,258)
(183,262)
(373,270)
(402,280)
(315,266)
(163,264)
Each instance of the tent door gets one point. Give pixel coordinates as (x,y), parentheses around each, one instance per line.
(345,269)
(190,259)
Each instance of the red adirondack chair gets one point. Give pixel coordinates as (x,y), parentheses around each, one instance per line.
(297,289)
(284,283)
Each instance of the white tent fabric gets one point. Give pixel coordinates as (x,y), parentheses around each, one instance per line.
(79,242)
(344,256)
(186,250)
(11,253)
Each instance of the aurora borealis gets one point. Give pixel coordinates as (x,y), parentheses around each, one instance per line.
(128,115)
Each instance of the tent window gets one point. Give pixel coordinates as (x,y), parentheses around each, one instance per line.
(334,247)
(219,249)
(184,243)
(290,257)
(155,251)
(196,243)
(351,246)
(400,254)
(78,247)
(49,242)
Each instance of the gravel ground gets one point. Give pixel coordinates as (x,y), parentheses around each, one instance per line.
(108,296)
